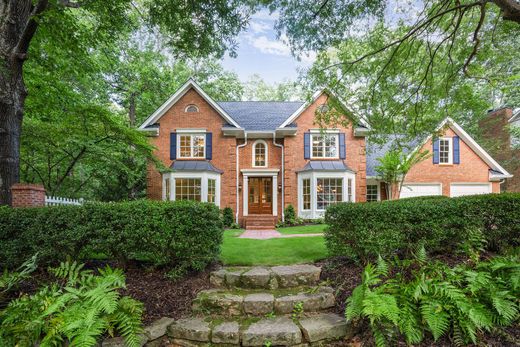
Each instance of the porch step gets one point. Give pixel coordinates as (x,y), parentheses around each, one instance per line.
(260,222)
(260,303)
(266,277)
(276,331)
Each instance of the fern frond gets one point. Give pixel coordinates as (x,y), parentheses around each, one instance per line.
(435,317)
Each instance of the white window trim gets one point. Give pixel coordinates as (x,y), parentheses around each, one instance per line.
(450,152)
(191,105)
(254,154)
(203,176)
(191,134)
(314,213)
(378,185)
(310,193)
(335,134)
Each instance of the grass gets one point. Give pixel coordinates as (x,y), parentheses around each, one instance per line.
(281,251)
(303,229)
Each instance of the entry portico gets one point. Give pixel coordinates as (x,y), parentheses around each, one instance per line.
(259,193)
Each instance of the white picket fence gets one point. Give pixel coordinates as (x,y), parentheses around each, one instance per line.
(56,201)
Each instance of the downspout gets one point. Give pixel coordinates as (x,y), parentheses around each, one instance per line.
(238,175)
(283,174)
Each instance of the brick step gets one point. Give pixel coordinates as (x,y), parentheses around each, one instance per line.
(259,227)
(289,276)
(260,303)
(278,331)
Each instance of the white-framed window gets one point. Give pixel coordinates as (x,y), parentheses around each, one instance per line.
(306,185)
(197,186)
(191,145)
(328,191)
(260,154)
(350,188)
(372,192)
(212,190)
(324,146)
(445,150)
(191,109)
(188,189)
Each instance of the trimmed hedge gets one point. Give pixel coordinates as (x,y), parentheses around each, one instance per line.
(180,234)
(364,231)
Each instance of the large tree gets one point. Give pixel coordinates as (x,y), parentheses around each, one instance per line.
(196,28)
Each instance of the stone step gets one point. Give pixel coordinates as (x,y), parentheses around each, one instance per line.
(276,331)
(289,276)
(258,303)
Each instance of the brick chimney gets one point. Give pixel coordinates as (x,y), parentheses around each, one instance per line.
(28,195)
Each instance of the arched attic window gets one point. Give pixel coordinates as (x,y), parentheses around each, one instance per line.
(191,109)
(260,154)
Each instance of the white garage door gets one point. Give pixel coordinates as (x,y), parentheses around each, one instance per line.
(411,190)
(458,189)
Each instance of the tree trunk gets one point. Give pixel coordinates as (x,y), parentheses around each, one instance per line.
(17,27)
(510,9)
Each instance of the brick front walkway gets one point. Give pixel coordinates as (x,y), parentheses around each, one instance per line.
(270,234)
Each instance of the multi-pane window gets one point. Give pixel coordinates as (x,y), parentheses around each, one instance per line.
(260,154)
(349,189)
(191,146)
(372,192)
(306,194)
(325,146)
(167,188)
(328,191)
(188,189)
(212,190)
(445,151)
(191,109)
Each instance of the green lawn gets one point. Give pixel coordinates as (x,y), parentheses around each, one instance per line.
(303,229)
(295,250)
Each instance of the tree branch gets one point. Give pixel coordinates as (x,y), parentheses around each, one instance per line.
(20,51)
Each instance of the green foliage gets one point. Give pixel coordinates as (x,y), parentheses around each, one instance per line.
(419,299)
(297,312)
(227,216)
(80,307)
(290,214)
(182,234)
(256,89)
(10,279)
(364,231)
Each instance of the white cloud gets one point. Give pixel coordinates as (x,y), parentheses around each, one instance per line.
(265,15)
(259,27)
(268,46)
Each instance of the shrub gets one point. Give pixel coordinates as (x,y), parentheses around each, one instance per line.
(79,307)
(290,215)
(227,215)
(417,299)
(364,231)
(181,234)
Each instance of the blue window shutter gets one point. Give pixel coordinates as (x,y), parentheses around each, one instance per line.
(173,146)
(307,146)
(209,146)
(436,151)
(342,146)
(456,150)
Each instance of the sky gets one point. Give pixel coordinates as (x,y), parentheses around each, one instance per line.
(261,53)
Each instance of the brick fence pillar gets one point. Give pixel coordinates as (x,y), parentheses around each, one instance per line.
(28,195)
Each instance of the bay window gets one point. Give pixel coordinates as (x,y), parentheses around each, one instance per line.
(195,186)
(329,191)
(188,189)
(306,194)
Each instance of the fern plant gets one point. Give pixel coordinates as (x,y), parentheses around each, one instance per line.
(79,308)
(432,298)
(11,279)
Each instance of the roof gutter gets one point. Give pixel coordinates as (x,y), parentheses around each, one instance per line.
(238,176)
(283,174)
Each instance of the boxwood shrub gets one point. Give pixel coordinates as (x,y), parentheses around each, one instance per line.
(365,230)
(180,234)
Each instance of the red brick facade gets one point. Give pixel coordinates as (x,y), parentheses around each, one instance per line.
(495,130)
(28,195)
(471,168)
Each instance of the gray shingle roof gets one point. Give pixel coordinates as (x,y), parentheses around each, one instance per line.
(194,165)
(260,115)
(375,151)
(325,165)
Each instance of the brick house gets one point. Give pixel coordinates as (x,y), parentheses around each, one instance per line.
(259,157)
(505,148)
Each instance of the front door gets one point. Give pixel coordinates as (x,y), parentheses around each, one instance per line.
(260,195)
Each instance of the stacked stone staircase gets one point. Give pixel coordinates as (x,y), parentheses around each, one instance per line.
(261,306)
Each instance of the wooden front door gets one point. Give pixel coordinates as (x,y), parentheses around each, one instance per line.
(260,195)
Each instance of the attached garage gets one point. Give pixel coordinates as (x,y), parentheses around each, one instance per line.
(461,189)
(411,190)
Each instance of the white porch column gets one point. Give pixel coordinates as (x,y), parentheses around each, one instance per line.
(245,190)
(275,195)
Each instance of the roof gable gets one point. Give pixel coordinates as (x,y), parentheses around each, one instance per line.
(179,94)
